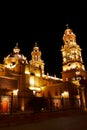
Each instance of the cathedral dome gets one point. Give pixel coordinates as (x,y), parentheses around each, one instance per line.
(13,58)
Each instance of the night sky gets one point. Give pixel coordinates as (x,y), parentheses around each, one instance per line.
(45,24)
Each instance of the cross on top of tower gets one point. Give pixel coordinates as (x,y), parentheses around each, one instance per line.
(17,44)
(35,44)
(67,26)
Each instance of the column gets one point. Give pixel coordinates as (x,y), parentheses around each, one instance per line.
(83,99)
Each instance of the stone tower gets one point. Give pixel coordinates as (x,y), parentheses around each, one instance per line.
(73,68)
(36,63)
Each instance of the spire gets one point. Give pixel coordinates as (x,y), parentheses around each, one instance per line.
(16,49)
(67,26)
(36,60)
(16,45)
(35,44)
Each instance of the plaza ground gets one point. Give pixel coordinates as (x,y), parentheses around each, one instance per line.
(66,120)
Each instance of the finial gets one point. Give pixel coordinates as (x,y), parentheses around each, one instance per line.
(35,44)
(16,49)
(17,44)
(67,26)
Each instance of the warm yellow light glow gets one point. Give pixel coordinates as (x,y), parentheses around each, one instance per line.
(38,89)
(65,94)
(51,77)
(27,72)
(76,82)
(72,66)
(83,67)
(78,96)
(43,88)
(77,72)
(15,92)
(22,105)
(35,88)
(5,98)
(10,66)
(32,81)
(34,92)
(31,87)
(37,74)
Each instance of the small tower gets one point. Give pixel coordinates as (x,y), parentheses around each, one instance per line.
(36,62)
(73,67)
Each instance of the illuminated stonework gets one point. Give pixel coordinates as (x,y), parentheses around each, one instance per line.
(36,61)
(12,60)
(22,81)
(71,53)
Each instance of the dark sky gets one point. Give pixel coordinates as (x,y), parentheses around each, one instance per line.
(45,24)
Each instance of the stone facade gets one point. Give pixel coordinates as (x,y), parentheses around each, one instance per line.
(24,86)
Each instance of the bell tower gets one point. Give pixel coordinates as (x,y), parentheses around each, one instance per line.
(72,66)
(36,61)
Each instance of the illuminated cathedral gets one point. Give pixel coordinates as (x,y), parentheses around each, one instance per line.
(24,86)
